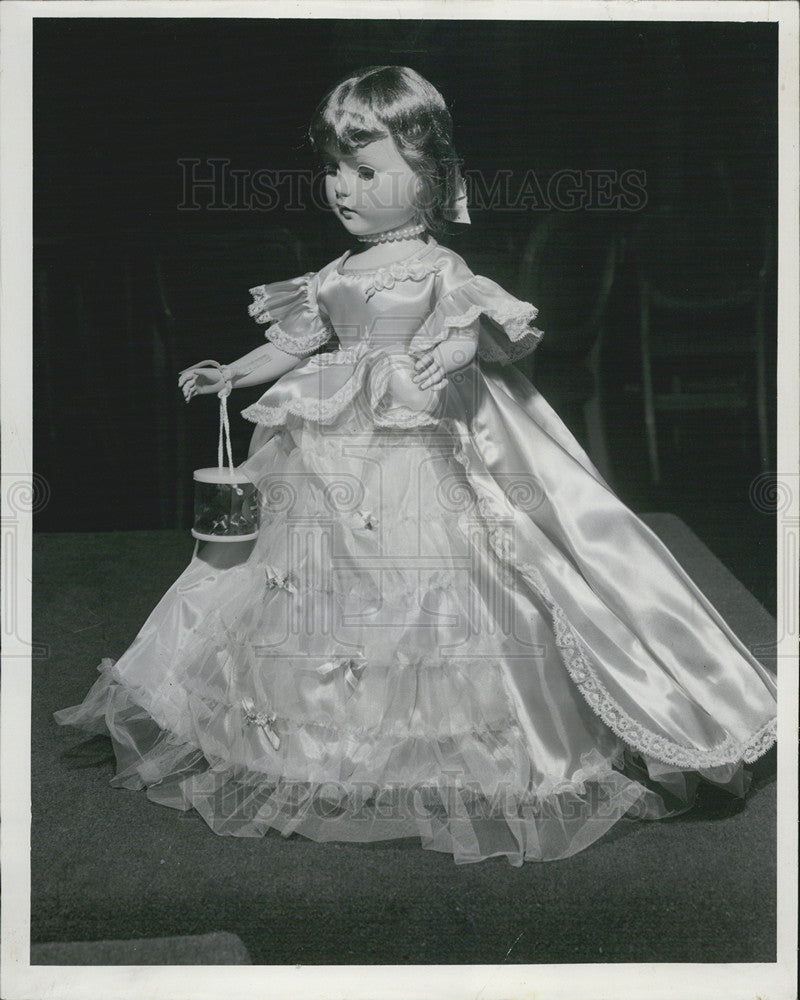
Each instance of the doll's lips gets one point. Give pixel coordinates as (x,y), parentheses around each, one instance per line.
(346,212)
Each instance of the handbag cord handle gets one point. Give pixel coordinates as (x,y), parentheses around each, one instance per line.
(224,421)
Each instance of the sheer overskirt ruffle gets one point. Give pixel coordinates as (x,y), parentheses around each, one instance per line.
(363,788)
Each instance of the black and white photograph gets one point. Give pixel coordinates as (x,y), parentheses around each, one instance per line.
(400,499)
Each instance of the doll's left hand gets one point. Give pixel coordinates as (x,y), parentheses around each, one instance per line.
(429,371)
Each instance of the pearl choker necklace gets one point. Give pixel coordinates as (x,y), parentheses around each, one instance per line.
(390,235)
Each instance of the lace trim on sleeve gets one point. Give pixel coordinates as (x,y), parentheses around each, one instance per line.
(271,302)
(514,317)
(287,303)
(300,347)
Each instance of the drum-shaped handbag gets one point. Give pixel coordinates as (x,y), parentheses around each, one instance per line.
(226,503)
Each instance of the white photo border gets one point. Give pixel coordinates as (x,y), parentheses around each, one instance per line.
(770,981)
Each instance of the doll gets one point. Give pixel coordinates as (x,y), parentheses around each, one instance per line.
(448,626)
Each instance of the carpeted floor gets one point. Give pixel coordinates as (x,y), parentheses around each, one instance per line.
(109,864)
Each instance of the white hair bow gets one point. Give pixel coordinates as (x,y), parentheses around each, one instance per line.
(458,211)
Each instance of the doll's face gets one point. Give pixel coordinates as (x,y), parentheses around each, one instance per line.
(372,188)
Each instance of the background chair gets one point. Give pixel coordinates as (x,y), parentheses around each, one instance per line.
(567,271)
(115,319)
(704,282)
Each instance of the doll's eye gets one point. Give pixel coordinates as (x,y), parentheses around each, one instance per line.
(366,173)
(330,168)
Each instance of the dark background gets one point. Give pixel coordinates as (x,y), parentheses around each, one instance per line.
(118,102)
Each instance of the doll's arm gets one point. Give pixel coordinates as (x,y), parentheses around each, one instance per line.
(433,366)
(264,364)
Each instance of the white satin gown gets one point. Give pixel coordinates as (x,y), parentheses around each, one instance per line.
(448,627)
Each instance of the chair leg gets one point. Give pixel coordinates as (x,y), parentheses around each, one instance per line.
(596,435)
(676,423)
(593,416)
(761,383)
(647,386)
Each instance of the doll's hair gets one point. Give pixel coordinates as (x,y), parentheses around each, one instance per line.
(395,101)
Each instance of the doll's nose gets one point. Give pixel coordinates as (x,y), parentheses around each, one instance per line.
(341,187)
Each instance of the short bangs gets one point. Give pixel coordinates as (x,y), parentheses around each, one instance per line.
(346,123)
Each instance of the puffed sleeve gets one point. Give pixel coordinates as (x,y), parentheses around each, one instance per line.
(297,325)
(500,324)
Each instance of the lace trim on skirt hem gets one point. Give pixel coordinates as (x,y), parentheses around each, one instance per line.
(580,669)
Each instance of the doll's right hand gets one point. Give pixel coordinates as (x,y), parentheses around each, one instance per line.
(200,381)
